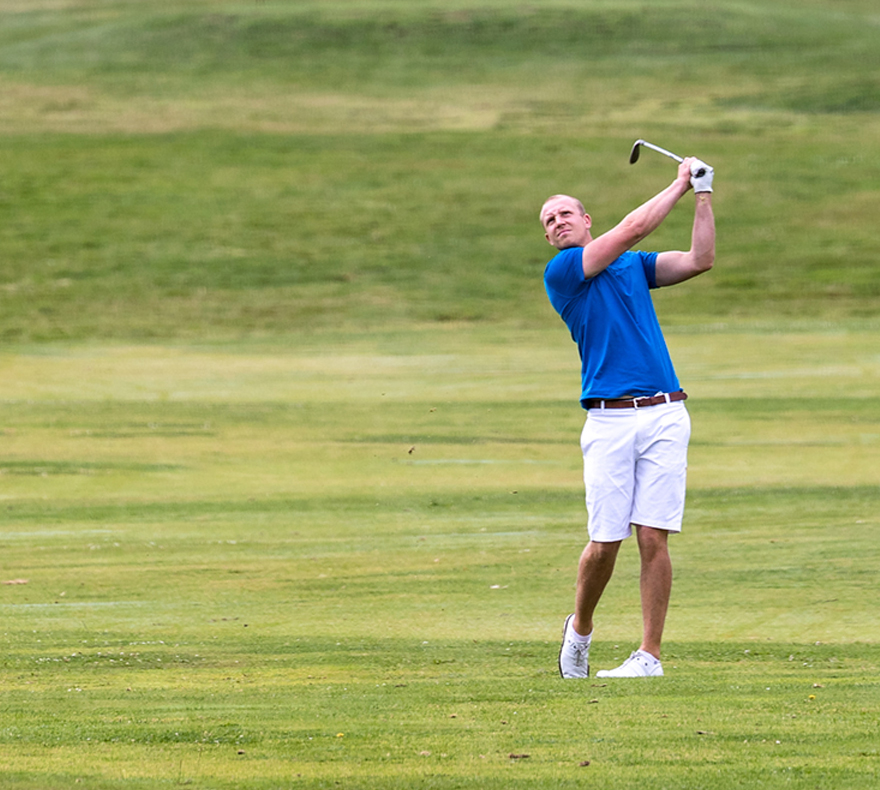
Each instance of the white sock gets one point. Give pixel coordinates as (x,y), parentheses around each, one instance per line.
(576,637)
(651,658)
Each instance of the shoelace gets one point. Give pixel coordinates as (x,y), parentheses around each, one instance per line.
(581,651)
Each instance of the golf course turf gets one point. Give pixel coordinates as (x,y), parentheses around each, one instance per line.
(290,480)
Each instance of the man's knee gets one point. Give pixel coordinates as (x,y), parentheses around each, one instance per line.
(601,553)
(651,540)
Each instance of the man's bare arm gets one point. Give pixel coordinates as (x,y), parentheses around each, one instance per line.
(636,225)
(675,267)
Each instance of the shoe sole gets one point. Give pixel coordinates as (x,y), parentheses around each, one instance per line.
(562,646)
(604,673)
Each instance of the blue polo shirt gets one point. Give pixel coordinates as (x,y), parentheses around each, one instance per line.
(611,317)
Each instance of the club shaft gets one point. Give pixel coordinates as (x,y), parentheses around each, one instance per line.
(660,150)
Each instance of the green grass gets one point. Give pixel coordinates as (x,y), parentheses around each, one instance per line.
(250,565)
(290,484)
(214,234)
(226,169)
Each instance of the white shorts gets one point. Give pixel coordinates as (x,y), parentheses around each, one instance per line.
(635,469)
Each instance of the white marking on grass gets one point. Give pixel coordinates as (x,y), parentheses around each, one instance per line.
(51,533)
(77,604)
(438,461)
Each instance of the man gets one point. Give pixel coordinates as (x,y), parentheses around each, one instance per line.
(637,429)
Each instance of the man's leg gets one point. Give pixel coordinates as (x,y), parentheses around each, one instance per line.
(655,585)
(609,476)
(594,571)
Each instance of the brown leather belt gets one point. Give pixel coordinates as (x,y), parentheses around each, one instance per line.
(635,403)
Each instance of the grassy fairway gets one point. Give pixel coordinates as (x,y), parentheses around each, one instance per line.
(249,566)
(290,482)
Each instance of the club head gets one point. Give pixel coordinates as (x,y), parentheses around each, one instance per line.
(634,154)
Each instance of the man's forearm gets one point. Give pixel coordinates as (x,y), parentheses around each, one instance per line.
(642,221)
(703,235)
(634,227)
(676,267)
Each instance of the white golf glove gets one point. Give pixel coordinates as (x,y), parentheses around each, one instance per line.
(701,183)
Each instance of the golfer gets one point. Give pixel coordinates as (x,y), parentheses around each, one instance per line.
(637,429)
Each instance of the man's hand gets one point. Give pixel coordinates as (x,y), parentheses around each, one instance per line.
(684,174)
(701,183)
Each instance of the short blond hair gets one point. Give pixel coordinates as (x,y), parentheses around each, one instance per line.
(578,205)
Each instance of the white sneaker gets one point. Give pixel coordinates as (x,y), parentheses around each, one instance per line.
(574,656)
(639,665)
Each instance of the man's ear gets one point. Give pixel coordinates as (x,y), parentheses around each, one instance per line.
(588,220)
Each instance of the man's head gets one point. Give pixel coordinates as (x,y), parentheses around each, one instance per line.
(566,222)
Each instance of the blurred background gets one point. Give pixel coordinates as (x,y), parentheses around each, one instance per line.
(217,169)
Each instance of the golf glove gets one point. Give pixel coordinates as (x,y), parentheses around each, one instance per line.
(701,183)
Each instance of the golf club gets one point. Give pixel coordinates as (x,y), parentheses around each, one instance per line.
(634,155)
